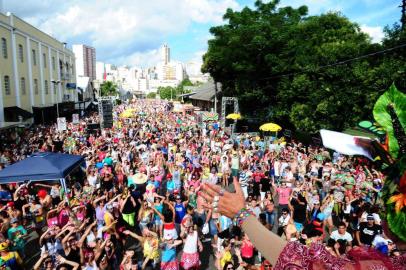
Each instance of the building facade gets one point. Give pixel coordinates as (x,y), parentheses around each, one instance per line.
(85,61)
(36,70)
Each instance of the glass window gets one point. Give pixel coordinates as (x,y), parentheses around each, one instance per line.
(4,47)
(22,84)
(44,56)
(7,85)
(21,53)
(55,88)
(46,87)
(36,91)
(34,58)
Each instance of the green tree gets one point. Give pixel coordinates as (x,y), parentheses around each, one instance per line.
(279,62)
(167,92)
(151,95)
(109,89)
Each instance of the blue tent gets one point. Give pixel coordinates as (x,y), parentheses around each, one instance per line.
(41,167)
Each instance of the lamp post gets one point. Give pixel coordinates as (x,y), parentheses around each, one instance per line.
(96,85)
(57,97)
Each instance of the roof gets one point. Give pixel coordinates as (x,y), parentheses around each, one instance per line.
(205,92)
(41,166)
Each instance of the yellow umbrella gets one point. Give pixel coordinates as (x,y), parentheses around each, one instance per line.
(126,114)
(234,116)
(270,127)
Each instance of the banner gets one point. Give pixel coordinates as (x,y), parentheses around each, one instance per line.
(75,118)
(61,122)
(346,144)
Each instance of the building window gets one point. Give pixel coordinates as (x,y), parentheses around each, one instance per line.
(7,85)
(34,58)
(22,84)
(4,47)
(36,86)
(46,87)
(44,57)
(53,63)
(21,53)
(55,88)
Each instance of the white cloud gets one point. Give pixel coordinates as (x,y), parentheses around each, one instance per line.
(141,59)
(375,32)
(120,29)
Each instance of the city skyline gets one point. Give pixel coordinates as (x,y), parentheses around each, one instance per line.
(184,25)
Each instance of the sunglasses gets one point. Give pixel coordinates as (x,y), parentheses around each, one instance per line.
(230,268)
(267,266)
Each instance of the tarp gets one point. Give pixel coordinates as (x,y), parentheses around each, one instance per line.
(41,166)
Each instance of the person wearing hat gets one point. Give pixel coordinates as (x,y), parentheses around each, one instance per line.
(106,176)
(10,259)
(12,211)
(367,231)
(17,235)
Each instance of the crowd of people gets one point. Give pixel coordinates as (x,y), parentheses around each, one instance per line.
(141,201)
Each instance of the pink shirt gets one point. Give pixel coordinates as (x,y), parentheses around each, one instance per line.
(284,194)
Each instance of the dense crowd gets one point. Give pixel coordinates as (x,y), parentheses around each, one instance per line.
(136,204)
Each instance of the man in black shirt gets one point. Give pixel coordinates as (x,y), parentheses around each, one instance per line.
(367,231)
(264,185)
(299,206)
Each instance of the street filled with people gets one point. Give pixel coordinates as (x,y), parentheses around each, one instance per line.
(161,189)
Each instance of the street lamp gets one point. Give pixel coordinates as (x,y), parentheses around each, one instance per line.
(57,97)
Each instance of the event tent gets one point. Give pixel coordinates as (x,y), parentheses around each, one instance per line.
(41,166)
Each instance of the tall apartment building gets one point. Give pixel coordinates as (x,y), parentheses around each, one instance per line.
(36,70)
(165,54)
(85,61)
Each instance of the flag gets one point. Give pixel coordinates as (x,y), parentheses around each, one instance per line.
(344,143)
(354,145)
(104,73)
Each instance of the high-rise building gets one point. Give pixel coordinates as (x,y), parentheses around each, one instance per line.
(36,72)
(85,61)
(165,54)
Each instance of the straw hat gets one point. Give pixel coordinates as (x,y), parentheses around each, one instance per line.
(140,178)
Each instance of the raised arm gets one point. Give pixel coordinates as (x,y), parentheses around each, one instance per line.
(133,235)
(98,200)
(158,213)
(172,209)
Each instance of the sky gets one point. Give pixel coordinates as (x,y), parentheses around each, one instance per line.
(131,32)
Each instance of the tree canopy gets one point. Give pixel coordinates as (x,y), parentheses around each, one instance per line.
(108,88)
(169,92)
(283,63)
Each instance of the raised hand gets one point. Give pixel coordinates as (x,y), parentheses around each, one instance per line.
(229,204)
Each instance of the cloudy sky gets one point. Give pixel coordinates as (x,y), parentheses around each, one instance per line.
(130,32)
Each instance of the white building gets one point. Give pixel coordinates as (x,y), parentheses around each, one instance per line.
(85,68)
(193,70)
(165,54)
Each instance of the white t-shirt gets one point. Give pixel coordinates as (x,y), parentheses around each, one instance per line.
(336,236)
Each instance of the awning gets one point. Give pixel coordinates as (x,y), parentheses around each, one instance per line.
(13,113)
(41,166)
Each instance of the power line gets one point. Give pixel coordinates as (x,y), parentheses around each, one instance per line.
(338,63)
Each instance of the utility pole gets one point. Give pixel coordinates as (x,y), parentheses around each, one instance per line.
(215,96)
(403,18)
